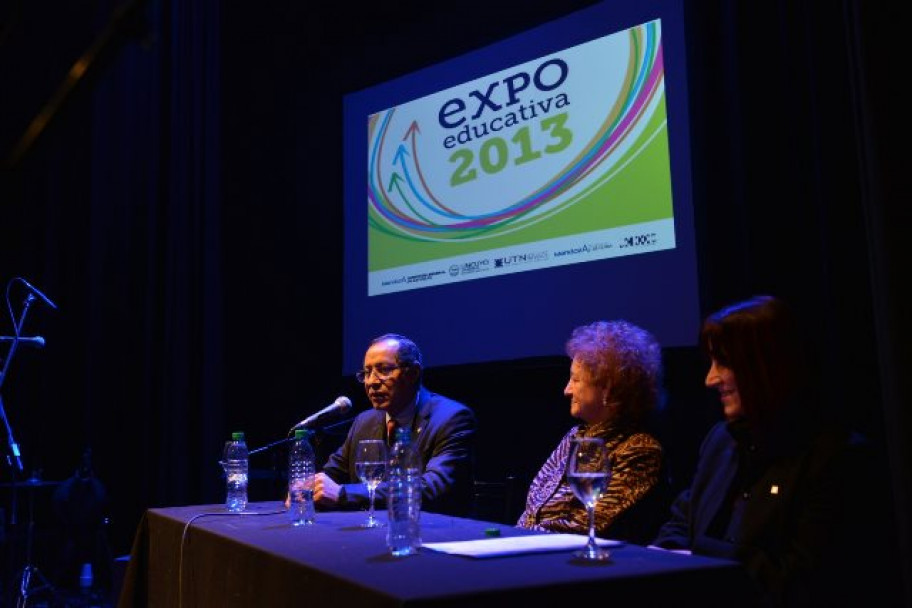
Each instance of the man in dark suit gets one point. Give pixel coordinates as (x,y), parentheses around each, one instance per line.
(443,429)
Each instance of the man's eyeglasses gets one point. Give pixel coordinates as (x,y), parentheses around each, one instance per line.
(383,372)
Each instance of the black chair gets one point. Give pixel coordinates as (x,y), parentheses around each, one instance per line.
(640,523)
(81,505)
(496,500)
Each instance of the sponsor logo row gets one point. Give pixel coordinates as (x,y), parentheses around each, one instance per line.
(488,264)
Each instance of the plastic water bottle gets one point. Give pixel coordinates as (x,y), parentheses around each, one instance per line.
(403,499)
(236,466)
(301,470)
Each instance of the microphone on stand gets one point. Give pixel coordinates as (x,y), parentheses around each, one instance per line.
(37,292)
(338,407)
(37,341)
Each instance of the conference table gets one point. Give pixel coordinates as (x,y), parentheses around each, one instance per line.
(201,555)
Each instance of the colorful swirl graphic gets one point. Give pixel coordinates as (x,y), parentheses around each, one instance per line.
(401,203)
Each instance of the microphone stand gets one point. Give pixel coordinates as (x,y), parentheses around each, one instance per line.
(269,446)
(14,460)
(329,429)
(15,456)
(276,476)
(290,437)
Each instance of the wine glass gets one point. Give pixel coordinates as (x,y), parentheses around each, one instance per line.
(370,464)
(588,473)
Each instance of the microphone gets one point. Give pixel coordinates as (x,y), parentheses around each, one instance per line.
(36,341)
(336,408)
(38,293)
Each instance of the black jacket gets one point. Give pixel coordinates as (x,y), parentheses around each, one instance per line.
(781,510)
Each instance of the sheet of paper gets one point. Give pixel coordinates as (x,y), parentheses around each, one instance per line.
(512,545)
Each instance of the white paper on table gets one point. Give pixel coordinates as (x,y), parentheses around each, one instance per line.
(513,545)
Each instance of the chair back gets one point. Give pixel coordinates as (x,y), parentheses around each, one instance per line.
(495,500)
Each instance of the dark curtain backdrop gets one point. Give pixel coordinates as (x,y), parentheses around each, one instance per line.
(183,208)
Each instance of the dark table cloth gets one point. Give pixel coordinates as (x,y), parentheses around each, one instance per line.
(259,559)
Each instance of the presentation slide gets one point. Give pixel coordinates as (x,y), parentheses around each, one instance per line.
(560,160)
(497,200)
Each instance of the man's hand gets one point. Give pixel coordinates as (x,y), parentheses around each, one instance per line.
(326,491)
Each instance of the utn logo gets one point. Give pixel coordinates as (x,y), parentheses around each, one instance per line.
(639,240)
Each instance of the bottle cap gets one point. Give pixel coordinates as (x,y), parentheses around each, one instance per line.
(237,436)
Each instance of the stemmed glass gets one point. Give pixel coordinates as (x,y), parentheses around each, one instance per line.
(588,473)
(370,464)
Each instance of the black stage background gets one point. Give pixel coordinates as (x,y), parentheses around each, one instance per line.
(183,208)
